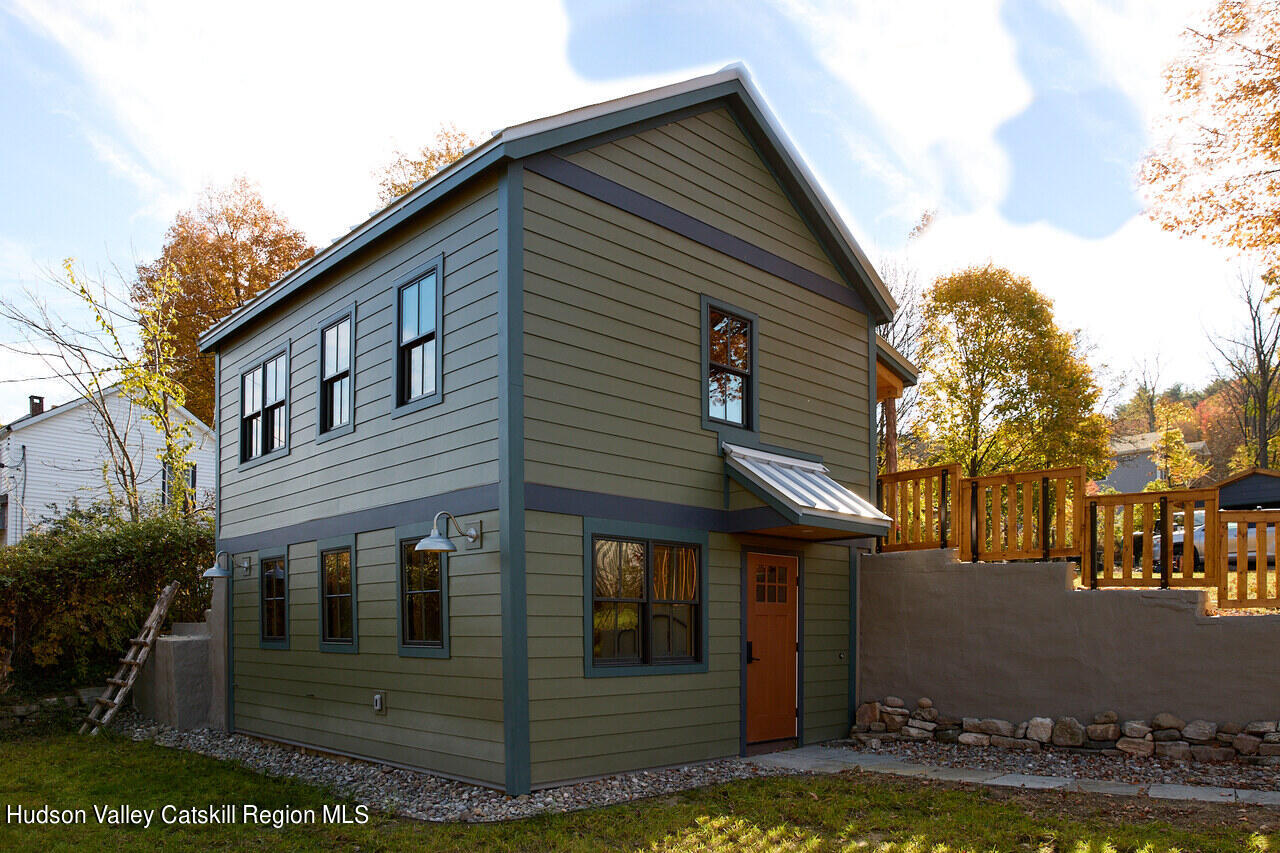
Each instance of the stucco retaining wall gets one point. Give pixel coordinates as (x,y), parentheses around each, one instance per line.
(1014,640)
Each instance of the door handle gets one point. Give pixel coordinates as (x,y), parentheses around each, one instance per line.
(751,658)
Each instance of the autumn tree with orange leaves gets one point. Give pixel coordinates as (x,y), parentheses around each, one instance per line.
(405,171)
(222,253)
(1217,171)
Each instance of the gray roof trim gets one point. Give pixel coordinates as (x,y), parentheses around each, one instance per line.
(731,84)
(896,361)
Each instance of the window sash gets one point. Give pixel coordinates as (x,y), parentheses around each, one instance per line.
(264,397)
(723,327)
(418,350)
(613,613)
(422,601)
(337,616)
(273,598)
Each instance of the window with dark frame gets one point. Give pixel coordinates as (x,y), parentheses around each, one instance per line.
(166,479)
(417,351)
(645,602)
(4,521)
(264,415)
(274,584)
(421,586)
(729,368)
(335,375)
(338,616)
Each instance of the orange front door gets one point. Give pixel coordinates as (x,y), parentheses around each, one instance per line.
(772,586)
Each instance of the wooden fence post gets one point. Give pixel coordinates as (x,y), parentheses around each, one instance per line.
(1044,515)
(1166,541)
(944,508)
(1093,545)
(974,509)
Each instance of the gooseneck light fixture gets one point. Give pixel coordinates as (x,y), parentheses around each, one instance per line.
(217,570)
(438,540)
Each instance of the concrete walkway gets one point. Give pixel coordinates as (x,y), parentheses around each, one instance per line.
(825,759)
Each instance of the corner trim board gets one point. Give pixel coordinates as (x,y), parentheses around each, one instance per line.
(511,491)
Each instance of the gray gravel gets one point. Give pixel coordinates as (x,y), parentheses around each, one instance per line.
(424,796)
(1078,765)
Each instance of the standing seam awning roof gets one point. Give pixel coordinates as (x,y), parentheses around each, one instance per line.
(802,491)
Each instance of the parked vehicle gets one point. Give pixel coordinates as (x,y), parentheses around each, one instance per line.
(1179,536)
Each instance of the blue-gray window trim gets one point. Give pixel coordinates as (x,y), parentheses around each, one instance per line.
(593,527)
(749,435)
(322,434)
(247,464)
(273,554)
(334,544)
(421,271)
(413,532)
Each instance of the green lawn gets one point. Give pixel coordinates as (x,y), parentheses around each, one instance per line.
(828,813)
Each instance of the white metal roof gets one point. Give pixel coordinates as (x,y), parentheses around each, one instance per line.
(803,487)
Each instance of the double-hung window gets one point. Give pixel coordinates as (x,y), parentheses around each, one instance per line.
(729,369)
(336,383)
(274,601)
(337,597)
(418,338)
(422,596)
(264,409)
(646,605)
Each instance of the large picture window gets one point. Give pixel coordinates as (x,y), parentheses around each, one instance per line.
(336,375)
(646,603)
(264,409)
(419,351)
(274,604)
(337,598)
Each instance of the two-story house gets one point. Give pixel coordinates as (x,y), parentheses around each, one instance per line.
(633,347)
(52,458)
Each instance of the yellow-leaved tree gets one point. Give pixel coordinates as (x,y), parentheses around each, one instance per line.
(1177,467)
(405,171)
(1008,389)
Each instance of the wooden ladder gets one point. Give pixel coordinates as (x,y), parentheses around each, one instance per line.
(106,705)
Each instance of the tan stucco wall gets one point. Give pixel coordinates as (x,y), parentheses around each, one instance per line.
(1014,640)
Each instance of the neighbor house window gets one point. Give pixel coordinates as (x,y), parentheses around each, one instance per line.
(729,368)
(274,600)
(645,605)
(418,352)
(4,521)
(264,410)
(166,486)
(337,600)
(336,383)
(421,596)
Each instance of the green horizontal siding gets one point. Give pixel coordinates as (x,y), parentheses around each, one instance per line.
(826,642)
(442,714)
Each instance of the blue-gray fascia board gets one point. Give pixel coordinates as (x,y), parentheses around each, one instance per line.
(732,93)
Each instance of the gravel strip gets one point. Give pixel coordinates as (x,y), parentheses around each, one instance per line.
(1058,762)
(425,796)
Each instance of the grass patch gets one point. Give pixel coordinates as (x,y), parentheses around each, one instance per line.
(844,813)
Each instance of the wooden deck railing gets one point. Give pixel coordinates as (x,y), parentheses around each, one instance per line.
(1027,515)
(921,503)
(1247,575)
(1128,532)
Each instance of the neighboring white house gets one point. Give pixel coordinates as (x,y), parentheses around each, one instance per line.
(50,458)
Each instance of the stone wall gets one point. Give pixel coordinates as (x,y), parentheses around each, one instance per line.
(1014,641)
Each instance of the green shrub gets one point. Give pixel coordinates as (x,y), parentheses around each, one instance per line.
(73,592)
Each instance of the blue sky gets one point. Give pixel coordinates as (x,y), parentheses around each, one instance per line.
(1020,123)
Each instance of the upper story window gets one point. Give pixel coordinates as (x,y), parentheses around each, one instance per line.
(337,383)
(418,371)
(264,408)
(419,352)
(645,602)
(729,368)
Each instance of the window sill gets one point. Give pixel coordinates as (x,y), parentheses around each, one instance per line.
(279,645)
(350,648)
(437,652)
(264,459)
(592,670)
(417,405)
(337,432)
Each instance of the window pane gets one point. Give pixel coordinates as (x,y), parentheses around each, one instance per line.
(409,313)
(675,573)
(740,345)
(342,359)
(337,402)
(619,569)
(252,392)
(269,383)
(342,624)
(429,367)
(682,631)
(330,353)
(616,632)
(413,387)
(431,622)
(725,396)
(337,572)
(719,335)
(427,305)
(276,427)
(282,379)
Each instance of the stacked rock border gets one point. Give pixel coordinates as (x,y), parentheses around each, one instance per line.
(1163,736)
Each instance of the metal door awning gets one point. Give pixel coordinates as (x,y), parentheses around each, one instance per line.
(814,505)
